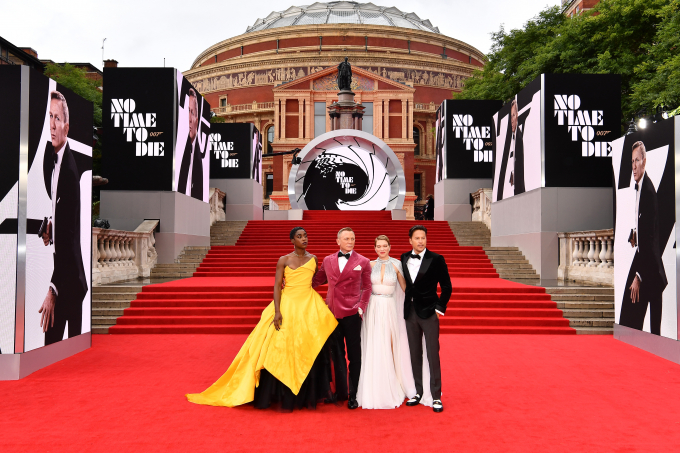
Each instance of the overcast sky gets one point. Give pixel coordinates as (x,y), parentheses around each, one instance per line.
(143,32)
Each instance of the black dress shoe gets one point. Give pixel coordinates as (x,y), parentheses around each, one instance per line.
(414,401)
(437,406)
(352,403)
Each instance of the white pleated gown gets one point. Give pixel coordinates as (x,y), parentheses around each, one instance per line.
(386,377)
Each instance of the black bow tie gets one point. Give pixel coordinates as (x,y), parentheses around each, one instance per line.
(346,255)
(415,257)
(636,187)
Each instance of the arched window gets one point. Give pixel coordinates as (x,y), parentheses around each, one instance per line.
(416,140)
(270,139)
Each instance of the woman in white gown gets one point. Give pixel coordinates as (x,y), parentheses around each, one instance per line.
(386,375)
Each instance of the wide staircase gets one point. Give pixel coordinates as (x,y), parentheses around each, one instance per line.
(234,283)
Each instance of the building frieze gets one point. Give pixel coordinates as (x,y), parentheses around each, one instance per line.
(315,31)
(272,77)
(411,61)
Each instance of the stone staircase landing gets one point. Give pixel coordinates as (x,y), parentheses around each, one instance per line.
(511,265)
(471,233)
(590,310)
(108,303)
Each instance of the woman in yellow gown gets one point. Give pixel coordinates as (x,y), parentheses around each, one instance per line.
(285,359)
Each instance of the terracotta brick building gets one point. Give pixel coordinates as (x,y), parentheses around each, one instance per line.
(280,75)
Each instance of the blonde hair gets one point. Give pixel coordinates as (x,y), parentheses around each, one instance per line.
(343,230)
(382,237)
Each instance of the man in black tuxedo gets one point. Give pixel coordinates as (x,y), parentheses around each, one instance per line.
(647,277)
(513,159)
(193,157)
(428,213)
(423,270)
(64,300)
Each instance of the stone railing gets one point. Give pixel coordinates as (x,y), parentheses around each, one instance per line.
(243,108)
(587,256)
(123,255)
(420,107)
(217,200)
(481,207)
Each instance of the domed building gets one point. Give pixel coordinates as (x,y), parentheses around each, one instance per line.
(281,75)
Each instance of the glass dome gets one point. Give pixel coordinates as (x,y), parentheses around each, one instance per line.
(342,13)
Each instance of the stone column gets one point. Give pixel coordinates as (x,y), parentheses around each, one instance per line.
(284,107)
(386,133)
(404,120)
(301,114)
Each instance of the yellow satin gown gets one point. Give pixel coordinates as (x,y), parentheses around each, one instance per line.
(288,354)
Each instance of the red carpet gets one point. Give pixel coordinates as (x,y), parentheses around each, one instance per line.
(234,283)
(501,394)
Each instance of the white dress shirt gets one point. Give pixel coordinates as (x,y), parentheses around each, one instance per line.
(190,183)
(414,267)
(509,189)
(342,261)
(637,216)
(55,184)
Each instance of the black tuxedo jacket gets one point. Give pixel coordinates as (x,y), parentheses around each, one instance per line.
(421,291)
(69,274)
(196,189)
(647,261)
(429,210)
(518,177)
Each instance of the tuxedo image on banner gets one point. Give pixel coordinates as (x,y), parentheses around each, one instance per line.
(192,159)
(68,277)
(513,154)
(647,275)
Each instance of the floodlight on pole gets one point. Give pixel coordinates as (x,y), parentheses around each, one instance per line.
(103,41)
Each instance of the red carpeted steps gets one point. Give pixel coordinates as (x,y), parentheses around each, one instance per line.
(234,283)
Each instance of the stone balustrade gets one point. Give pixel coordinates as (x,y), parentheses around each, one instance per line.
(422,107)
(217,200)
(244,108)
(123,255)
(481,207)
(587,256)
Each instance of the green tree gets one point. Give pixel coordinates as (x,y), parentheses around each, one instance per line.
(659,73)
(507,70)
(617,36)
(217,119)
(76,80)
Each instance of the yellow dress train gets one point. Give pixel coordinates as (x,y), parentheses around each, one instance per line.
(288,354)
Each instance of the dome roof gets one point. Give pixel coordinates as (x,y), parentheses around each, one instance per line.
(342,13)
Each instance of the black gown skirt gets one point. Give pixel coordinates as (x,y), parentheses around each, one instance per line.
(315,388)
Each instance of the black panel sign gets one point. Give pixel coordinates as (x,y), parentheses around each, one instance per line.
(468,129)
(139,124)
(233,150)
(582,118)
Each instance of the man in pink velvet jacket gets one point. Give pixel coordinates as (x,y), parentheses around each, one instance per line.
(349,288)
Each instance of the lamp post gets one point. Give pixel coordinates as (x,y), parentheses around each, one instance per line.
(103,41)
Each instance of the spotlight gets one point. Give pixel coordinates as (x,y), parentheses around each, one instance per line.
(664,115)
(642,123)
